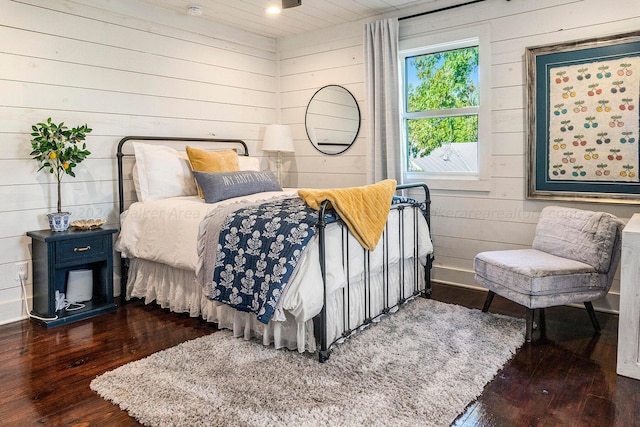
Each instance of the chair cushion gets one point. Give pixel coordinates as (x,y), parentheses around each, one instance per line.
(585,236)
(524,275)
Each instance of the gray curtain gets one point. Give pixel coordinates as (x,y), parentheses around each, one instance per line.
(383,99)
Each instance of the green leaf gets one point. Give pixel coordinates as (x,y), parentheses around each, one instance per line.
(50,137)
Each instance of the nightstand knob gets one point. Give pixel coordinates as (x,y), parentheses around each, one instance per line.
(86,248)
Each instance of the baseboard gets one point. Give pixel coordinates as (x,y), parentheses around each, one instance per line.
(116,285)
(12,311)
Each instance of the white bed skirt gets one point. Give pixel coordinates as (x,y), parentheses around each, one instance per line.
(176,289)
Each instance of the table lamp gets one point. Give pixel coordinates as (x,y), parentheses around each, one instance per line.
(278,138)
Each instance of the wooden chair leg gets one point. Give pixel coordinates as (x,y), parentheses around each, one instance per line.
(592,316)
(542,324)
(487,302)
(529,319)
(543,321)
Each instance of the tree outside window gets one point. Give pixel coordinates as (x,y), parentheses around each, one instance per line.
(442,99)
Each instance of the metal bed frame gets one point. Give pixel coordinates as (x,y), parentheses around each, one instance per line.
(120,155)
(419,207)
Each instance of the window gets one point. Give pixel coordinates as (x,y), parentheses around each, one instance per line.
(444,107)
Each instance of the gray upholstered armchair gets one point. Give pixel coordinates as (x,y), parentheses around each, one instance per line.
(574,256)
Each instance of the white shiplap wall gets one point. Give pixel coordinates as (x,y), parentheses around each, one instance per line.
(464,222)
(308,63)
(126,70)
(101,62)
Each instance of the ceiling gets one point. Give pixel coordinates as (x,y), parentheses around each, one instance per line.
(250,15)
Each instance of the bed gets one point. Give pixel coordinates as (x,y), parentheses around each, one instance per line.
(168,235)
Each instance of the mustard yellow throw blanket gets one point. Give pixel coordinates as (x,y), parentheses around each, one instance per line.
(363,209)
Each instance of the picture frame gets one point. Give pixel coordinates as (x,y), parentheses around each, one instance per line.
(583,100)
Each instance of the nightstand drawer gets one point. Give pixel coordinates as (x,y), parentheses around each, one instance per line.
(80,249)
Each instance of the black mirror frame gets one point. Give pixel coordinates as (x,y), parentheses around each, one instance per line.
(359,120)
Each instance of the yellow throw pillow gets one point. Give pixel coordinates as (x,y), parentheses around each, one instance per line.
(212,161)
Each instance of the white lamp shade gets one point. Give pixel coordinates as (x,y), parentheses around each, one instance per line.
(277,138)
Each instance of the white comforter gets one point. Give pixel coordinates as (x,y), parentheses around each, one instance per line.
(166,231)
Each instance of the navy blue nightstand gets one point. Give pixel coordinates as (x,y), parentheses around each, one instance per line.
(57,253)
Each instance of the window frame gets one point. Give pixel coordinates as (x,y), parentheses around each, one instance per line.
(412,45)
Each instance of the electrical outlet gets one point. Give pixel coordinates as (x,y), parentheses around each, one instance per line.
(22,271)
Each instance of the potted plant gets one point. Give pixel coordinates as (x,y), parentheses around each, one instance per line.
(57,149)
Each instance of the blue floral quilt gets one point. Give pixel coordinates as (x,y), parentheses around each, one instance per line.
(398,200)
(258,250)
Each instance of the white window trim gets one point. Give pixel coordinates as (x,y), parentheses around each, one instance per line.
(478,35)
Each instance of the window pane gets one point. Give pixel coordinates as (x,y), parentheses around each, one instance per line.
(444,144)
(442,80)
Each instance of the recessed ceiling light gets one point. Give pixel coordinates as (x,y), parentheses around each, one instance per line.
(194,10)
(273,10)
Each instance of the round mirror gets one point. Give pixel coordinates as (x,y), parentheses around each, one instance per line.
(332,119)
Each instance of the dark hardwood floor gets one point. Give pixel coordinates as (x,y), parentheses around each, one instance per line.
(567,378)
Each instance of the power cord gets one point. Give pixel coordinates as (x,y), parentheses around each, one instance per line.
(61,302)
(26,306)
(64,304)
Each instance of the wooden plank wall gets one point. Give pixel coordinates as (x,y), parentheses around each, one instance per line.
(307,63)
(126,69)
(464,222)
(105,63)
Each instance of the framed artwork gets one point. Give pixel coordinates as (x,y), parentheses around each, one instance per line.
(584,120)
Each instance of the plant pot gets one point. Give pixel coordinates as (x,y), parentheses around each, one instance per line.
(58,221)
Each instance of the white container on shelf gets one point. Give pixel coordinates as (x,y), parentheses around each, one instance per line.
(79,285)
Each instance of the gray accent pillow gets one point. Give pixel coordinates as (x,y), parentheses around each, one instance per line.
(218,186)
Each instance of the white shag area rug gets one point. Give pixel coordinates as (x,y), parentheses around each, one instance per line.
(420,366)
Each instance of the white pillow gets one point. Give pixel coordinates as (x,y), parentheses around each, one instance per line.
(249,163)
(161,172)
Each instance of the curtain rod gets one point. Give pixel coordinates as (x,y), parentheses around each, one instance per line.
(442,9)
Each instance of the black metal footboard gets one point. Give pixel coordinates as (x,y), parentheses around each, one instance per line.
(405,274)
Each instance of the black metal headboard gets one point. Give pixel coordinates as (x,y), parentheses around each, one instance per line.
(120,154)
